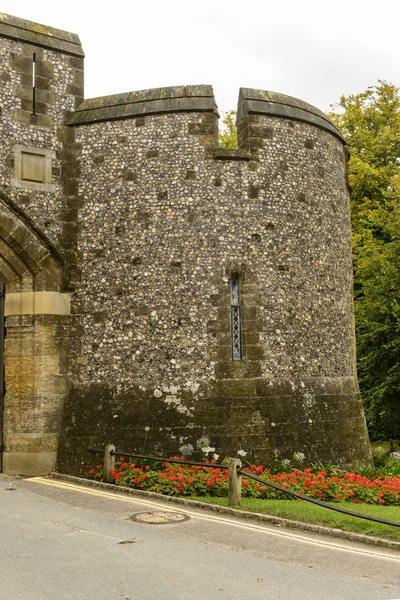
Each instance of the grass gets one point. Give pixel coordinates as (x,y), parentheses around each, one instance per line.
(298,510)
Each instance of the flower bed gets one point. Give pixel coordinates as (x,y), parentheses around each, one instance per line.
(182,480)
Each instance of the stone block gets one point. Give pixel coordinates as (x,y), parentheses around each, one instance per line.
(19,384)
(275,388)
(220,300)
(249,313)
(79,79)
(21,63)
(223,353)
(42,95)
(12,418)
(29,464)
(76,62)
(29,50)
(18,345)
(257,131)
(236,388)
(48,384)
(34,422)
(23,116)
(237,370)
(200,129)
(224,313)
(75,90)
(254,352)
(251,337)
(26,80)
(44,69)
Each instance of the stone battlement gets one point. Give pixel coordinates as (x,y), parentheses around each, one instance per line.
(191,98)
(273,104)
(40,35)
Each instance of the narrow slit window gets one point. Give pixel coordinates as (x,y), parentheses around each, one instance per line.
(236,320)
(34,84)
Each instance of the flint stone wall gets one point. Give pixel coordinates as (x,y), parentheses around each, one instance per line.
(167,218)
(117,269)
(59,90)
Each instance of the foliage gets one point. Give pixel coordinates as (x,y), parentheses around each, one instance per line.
(228,132)
(184,480)
(387,462)
(370,123)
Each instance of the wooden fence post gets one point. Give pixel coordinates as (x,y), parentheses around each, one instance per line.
(109,462)
(235,482)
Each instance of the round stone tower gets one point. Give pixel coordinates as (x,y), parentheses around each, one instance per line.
(306,394)
(216,284)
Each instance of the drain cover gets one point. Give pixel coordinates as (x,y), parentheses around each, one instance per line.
(159,517)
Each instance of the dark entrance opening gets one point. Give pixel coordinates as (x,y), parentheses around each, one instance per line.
(2,385)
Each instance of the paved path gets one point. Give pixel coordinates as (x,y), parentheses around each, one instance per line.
(61,541)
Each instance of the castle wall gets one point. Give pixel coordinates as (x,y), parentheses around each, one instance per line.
(124,230)
(57,94)
(41,76)
(166,220)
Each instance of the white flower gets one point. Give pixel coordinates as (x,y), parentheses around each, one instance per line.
(147,429)
(202,442)
(207,449)
(215,456)
(299,456)
(242,453)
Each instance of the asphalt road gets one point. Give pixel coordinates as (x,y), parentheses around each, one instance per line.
(60,541)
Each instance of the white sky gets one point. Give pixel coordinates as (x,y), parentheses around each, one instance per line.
(312,49)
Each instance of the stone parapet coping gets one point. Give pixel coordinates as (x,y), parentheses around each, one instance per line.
(40,35)
(279,521)
(198,98)
(37,303)
(275,104)
(190,98)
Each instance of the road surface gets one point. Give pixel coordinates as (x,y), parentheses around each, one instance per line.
(62,541)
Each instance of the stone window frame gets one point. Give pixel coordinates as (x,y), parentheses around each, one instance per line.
(49,155)
(236,319)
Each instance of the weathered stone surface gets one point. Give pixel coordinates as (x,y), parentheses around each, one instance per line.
(146,102)
(40,35)
(145,224)
(279,105)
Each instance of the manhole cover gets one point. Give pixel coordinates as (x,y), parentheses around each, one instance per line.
(159,517)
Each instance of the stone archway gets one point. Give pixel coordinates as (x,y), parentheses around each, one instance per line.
(34,365)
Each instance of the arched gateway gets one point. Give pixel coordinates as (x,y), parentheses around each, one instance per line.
(34,381)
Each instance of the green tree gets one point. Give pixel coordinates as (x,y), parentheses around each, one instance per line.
(370,123)
(228,132)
